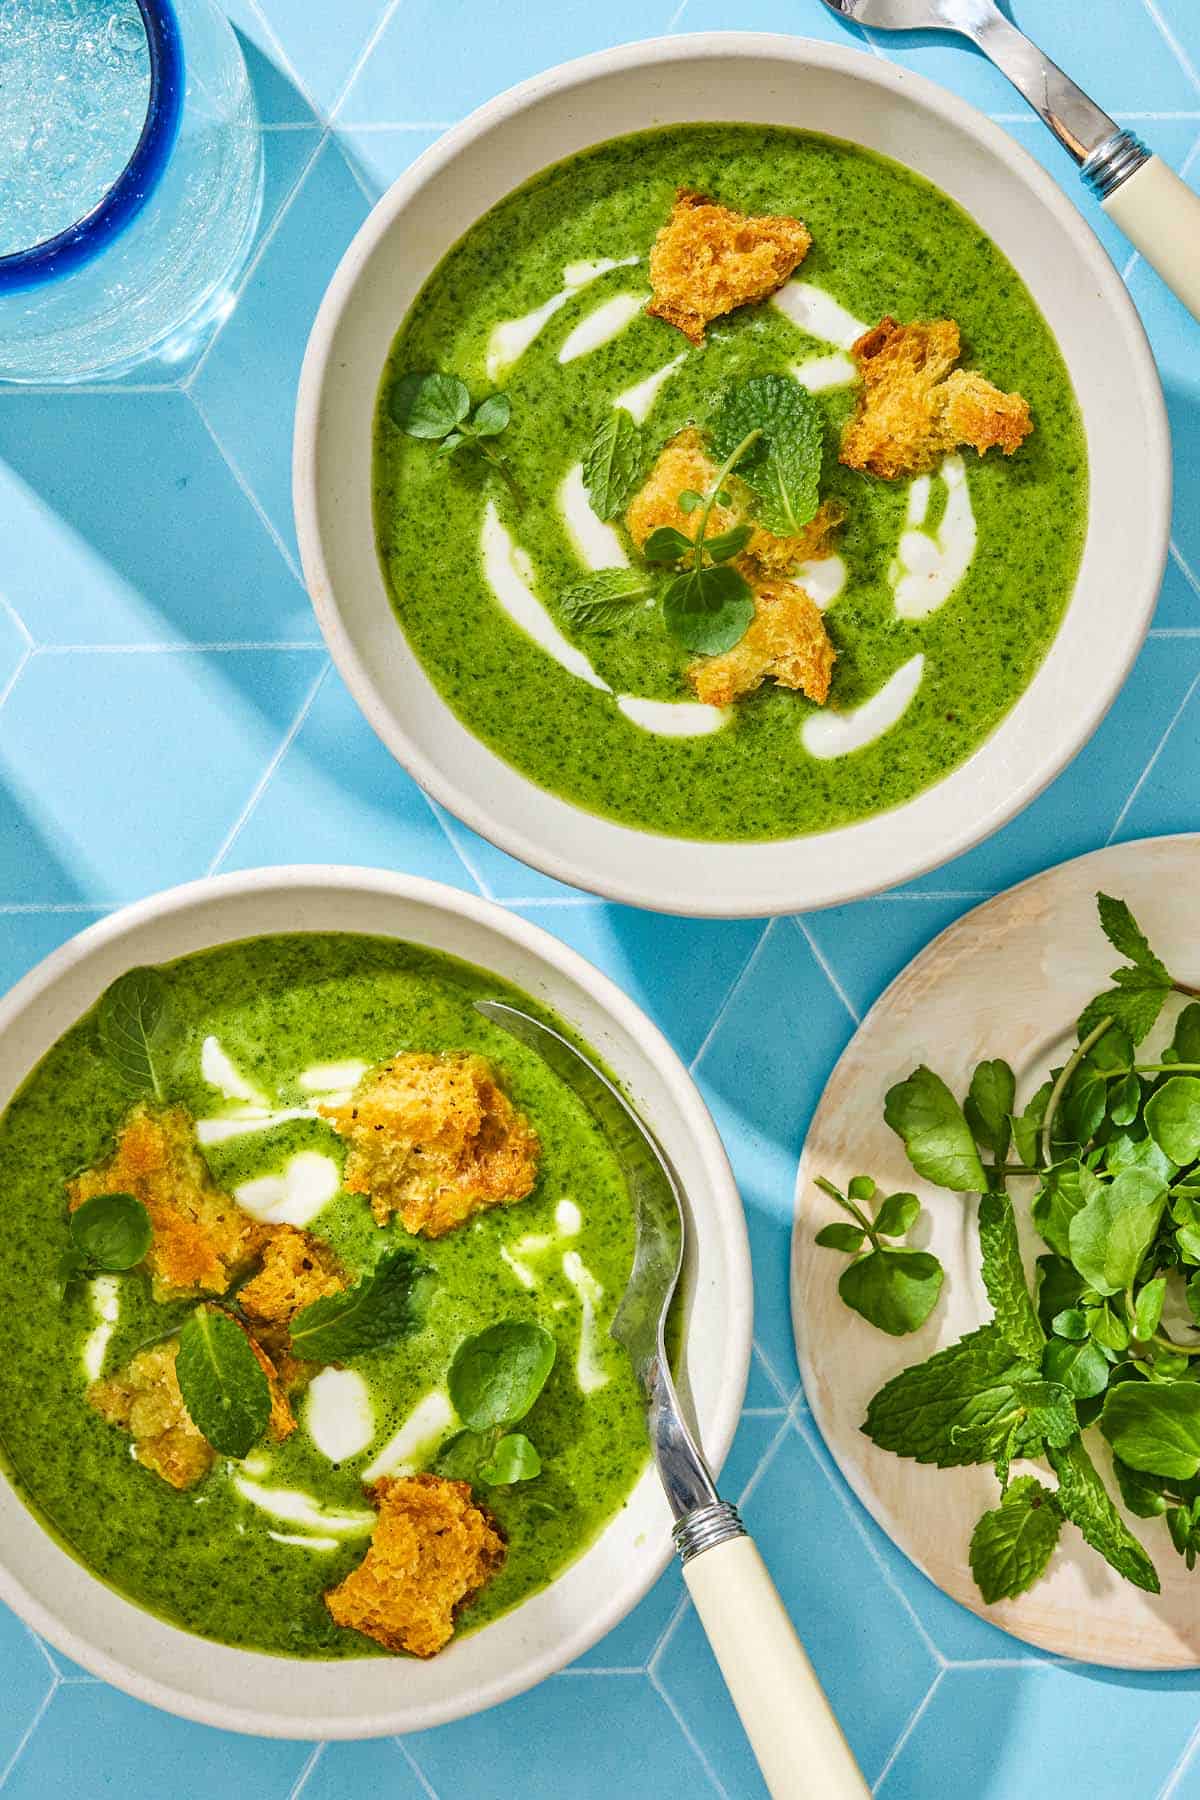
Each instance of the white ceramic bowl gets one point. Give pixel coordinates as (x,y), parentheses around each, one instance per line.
(780,81)
(280,1696)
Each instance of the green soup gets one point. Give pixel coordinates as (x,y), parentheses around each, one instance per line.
(211,1558)
(884,241)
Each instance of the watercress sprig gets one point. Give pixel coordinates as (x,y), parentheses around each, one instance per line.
(108,1234)
(893,1288)
(709,606)
(437,407)
(494,1379)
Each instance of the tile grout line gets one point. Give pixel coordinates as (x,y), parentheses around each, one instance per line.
(898,1746)
(825,966)
(756,1349)
(381,24)
(1158,750)
(1184,566)
(1182,1764)
(687,1734)
(1180,54)
(264,781)
(241,482)
(289,69)
(23,660)
(366,126)
(7,606)
(764,1462)
(51,906)
(56,1681)
(310,1763)
(727,1002)
(676,16)
(529,901)
(414,1765)
(183,647)
(457,848)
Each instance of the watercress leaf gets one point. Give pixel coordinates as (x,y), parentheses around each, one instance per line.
(1004,1275)
(492,415)
(1135,1007)
(783,468)
(989,1104)
(70,1265)
(612,463)
(840,1237)
(1064,1191)
(136,1029)
(1111,1234)
(223,1384)
(1108,1329)
(459,1457)
(708,610)
(925,1114)
(1049,1411)
(893,1289)
(377,1311)
(111,1231)
(1027,1125)
(1154,1426)
(1081,1368)
(1071,1324)
(728,543)
(1059,1286)
(450,444)
(1186,1041)
(862,1188)
(1083,1498)
(497,1375)
(1126,1152)
(428,405)
(513,1459)
(1148,1307)
(957,1407)
(666,545)
(1173,1118)
(604,600)
(1188,1240)
(689,500)
(1084,1103)
(1125,934)
(1125,1100)
(1113,1053)
(1193,1296)
(1141,1493)
(897,1215)
(1011,1545)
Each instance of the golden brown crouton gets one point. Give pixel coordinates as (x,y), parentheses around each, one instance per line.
(432,1550)
(707,260)
(435,1139)
(202,1238)
(780,555)
(282,1422)
(786,640)
(145,1400)
(297,1268)
(912,410)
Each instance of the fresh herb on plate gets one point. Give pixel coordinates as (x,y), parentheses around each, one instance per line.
(438,407)
(224,1386)
(377,1311)
(893,1288)
(137,1029)
(109,1233)
(708,607)
(782,463)
(494,1380)
(612,464)
(1113,1144)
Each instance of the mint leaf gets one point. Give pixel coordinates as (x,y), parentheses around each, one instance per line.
(428,405)
(1111,1234)
(783,467)
(375,1312)
(1049,1411)
(959,1406)
(1154,1426)
(136,1029)
(988,1106)
(1083,1498)
(1134,1006)
(223,1384)
(939,1142)
(1004,1276)
(1126,936)
(1011,1545)
(604,600)
(1173,1118)
(497,1375)
(893,1289)
(708,610)
(612,463)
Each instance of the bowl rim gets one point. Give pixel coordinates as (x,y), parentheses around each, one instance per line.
(726,1216)
(734,897)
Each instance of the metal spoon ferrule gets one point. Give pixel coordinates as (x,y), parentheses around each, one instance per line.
(705,1528)
(1112,162)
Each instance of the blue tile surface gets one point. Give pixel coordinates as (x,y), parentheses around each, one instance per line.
(149,596)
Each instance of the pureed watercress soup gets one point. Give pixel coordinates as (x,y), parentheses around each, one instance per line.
(940,592)
(294,1117)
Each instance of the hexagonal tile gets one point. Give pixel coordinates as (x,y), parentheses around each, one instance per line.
(379,154)
(1179,602)
(324,43)
(163,547)
(28,1678)
(867,943)
(26,937)
(1165,798)
(376,1766)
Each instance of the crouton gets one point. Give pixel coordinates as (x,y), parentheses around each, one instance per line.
(786,640)
(144,1399)
(282,1421)
(780,555)
(202,1238)
(432,1550)
(913,410)
(707,260)
(297,1268)
(434,1139)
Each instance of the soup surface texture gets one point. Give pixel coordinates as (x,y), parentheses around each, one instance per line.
(246,1554)
(544,299)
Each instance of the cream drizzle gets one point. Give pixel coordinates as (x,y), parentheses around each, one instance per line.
(295,1507)
(589,1372)
(306,1184)
(424,1428)
(509,340)
(338,1414)
(595,543)
(818,314)
(822,372)
(822,580)
(105,1295)
(601,325)
(826,735)
(929,565)
(638,399)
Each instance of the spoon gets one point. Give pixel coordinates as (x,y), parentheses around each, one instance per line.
(791,1728)
(1159,213)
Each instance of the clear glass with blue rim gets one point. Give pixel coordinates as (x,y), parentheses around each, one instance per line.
(130,182)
